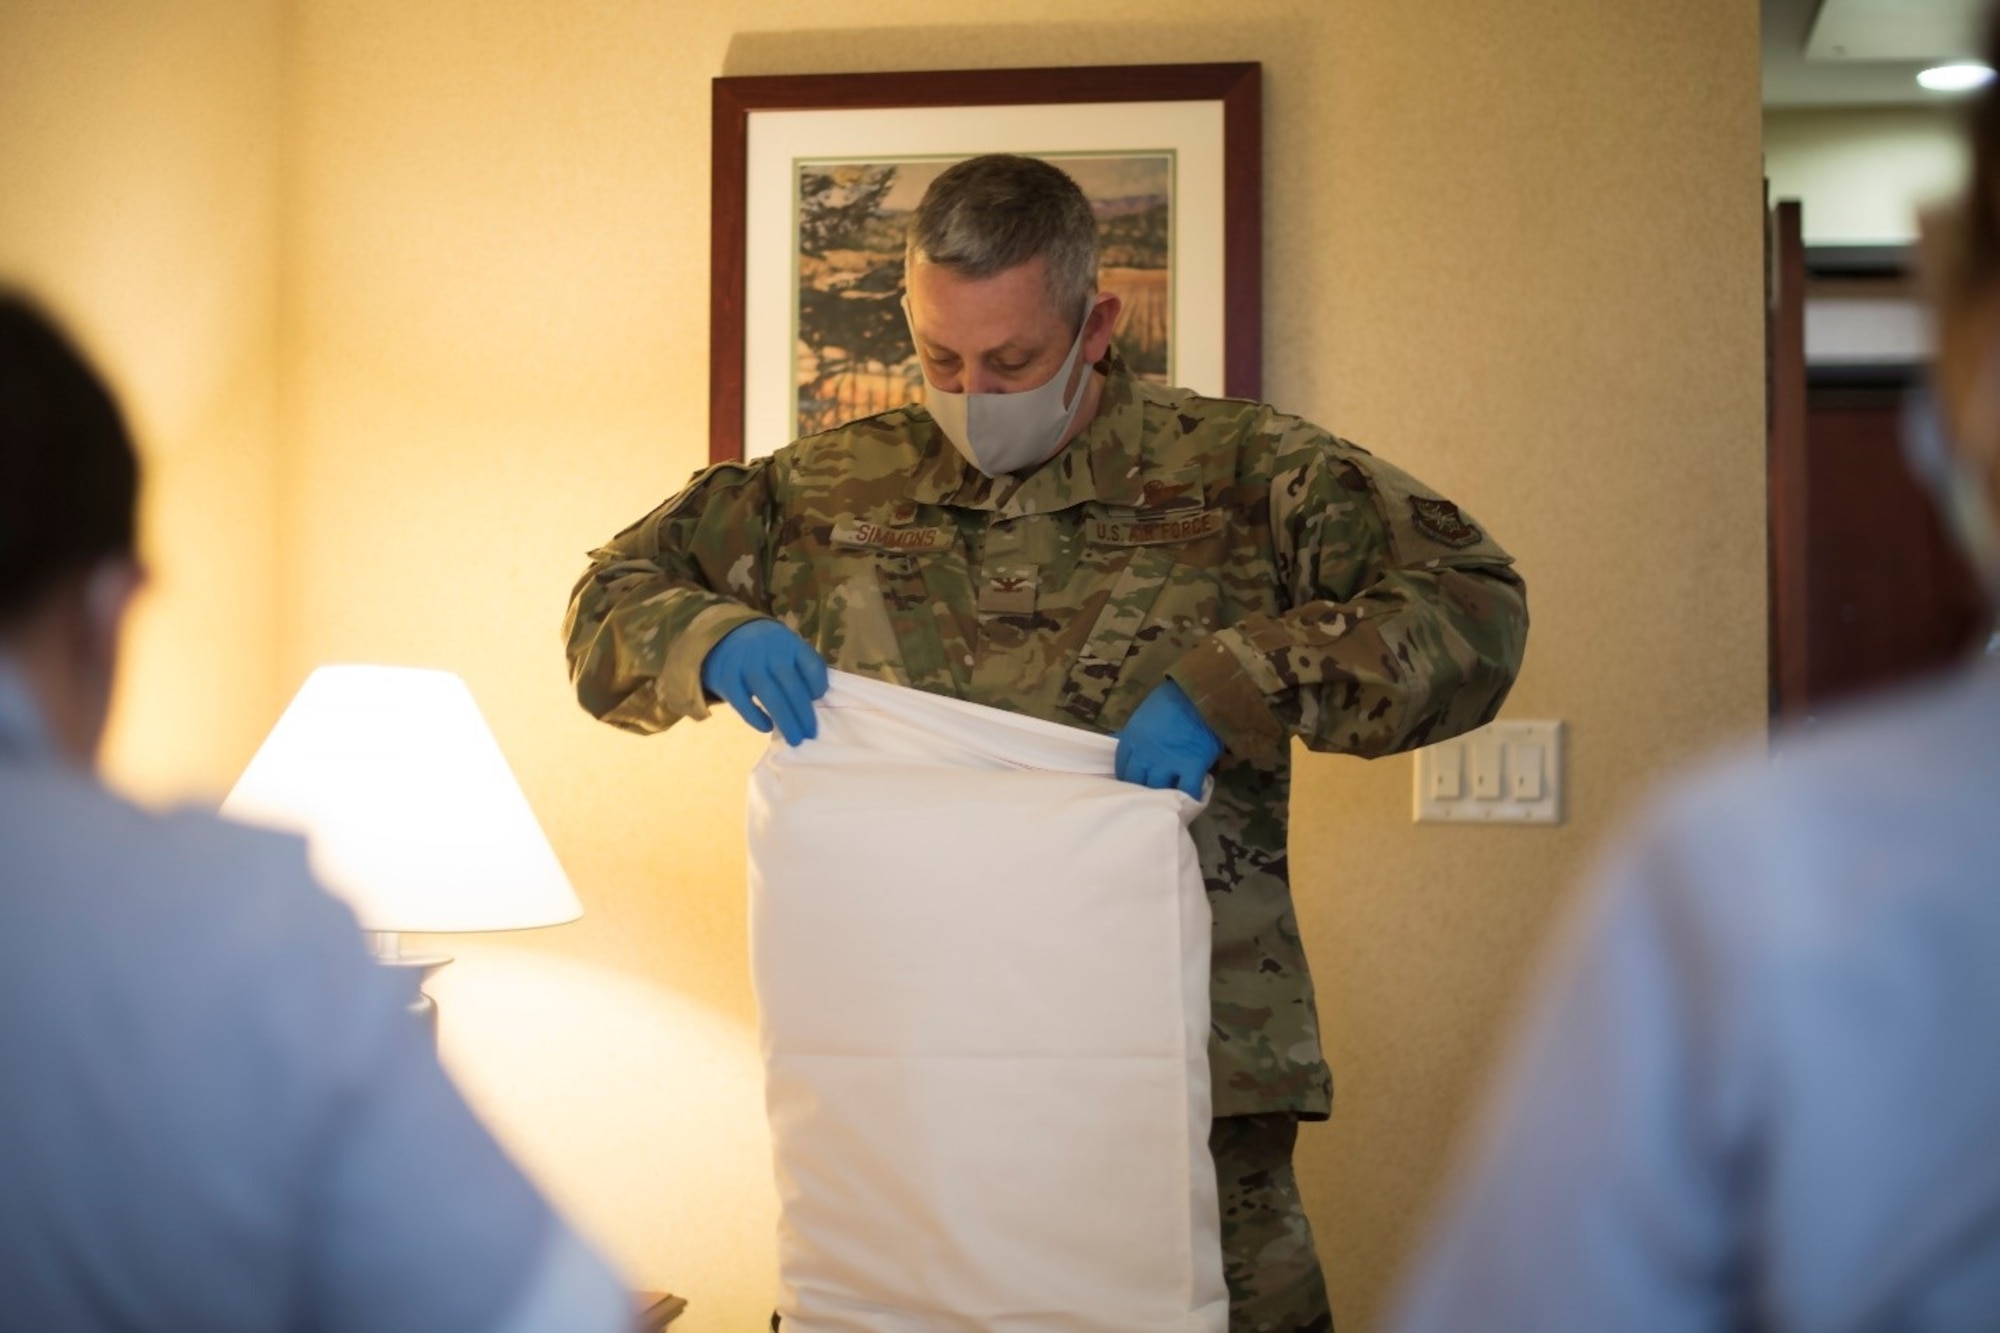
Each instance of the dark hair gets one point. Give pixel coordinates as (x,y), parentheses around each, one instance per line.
(987,214)
(69,480)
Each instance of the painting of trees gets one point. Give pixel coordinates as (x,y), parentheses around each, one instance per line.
(854,352)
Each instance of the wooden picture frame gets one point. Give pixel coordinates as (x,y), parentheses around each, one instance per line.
(760,124)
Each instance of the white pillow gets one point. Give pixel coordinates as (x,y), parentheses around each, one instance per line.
(982,978)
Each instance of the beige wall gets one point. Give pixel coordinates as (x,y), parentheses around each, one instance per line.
(1516,248)
(139,155)
(1863,173)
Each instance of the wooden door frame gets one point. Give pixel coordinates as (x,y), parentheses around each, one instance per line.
(1785,368)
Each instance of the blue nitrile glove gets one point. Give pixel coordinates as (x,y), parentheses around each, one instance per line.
(1166,744)
(767,674)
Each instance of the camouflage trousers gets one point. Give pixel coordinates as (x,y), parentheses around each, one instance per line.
(1268,1258)
(1275,1284)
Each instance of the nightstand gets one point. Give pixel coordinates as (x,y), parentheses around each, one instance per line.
(657,1310)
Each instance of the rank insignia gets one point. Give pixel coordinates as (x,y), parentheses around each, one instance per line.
(1009,592)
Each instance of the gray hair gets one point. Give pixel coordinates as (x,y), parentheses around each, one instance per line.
(987,214)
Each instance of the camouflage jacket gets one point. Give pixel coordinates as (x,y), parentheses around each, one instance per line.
(1291,583)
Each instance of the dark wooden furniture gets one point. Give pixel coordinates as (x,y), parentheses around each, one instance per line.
(1867,591)
(657,1310)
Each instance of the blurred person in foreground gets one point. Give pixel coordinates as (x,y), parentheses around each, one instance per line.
(1761,1088)
(217,1115)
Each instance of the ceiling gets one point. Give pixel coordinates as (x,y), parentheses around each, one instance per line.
(1863,52)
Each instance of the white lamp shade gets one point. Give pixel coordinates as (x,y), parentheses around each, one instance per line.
(411,811)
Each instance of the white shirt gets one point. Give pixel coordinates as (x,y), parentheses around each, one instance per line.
(1762,1085)
(215,1113)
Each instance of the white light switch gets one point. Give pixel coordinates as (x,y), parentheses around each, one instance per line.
(1503,773)
(1485,768)
(1525,772)
(1448,775)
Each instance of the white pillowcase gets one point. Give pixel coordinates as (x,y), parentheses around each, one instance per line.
(982,978)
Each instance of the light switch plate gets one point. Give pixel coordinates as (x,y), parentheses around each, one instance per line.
(1447,781)
(1503,773)
(1486,763)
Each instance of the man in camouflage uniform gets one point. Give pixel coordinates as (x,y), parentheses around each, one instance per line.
(1174,550)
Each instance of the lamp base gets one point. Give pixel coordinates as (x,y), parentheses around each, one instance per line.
(419,968)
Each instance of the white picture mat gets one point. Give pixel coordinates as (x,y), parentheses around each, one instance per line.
(780,140)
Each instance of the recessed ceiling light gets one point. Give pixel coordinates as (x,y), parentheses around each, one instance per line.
(1956,78)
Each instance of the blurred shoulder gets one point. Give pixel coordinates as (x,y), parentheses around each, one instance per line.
(1846,826)
(77,853)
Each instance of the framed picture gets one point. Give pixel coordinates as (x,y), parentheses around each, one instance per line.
(815,177)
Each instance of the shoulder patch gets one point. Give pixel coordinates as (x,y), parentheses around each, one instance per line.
(1441,522)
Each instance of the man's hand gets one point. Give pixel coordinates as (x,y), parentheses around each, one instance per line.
(1166,744)
(768,674)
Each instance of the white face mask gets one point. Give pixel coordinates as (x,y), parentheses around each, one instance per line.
(1006,432)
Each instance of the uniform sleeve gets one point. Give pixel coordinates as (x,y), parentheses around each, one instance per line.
(663,592)
(1609,1188)
(1404,624)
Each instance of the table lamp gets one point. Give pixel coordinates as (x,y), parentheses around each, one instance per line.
(410,810)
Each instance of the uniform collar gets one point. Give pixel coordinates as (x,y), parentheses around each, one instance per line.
(24,733)
(1103,463)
